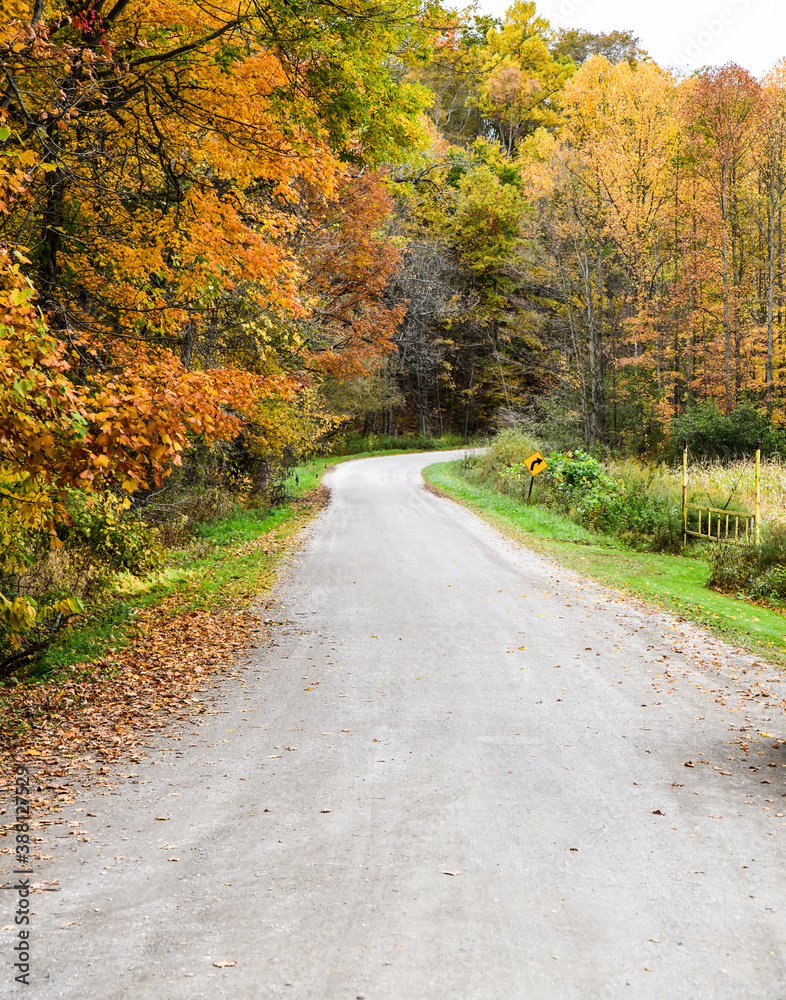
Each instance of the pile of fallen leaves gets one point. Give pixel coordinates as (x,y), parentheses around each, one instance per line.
(96,711)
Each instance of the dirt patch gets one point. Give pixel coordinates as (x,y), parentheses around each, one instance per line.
(430,488)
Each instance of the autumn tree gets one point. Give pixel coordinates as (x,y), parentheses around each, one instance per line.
(770,158)
(523,77)
(171,179)
(721,111)
(615,46)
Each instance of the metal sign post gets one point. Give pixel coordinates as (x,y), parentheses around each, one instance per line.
(758,493)
(536,464)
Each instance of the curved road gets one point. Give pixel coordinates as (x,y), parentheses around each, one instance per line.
(459,775)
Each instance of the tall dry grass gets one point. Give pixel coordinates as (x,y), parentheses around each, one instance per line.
(735,483)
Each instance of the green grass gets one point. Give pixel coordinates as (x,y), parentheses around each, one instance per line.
(676,583)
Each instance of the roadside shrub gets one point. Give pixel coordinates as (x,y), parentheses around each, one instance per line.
(629,500)
(99,539)
(733,569)
(58,576)
(758,573)
(770,584)
(502,466)
(110,533)
(579,484)
(174,513)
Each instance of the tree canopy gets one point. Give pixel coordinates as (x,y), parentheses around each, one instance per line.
(236,228)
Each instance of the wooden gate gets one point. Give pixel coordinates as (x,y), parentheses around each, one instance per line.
(717,524)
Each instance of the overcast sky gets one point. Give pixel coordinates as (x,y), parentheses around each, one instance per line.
(683,34)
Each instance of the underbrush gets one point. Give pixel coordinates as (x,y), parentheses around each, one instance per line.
(759,573)
(641,505)
(356,444)
(63,580)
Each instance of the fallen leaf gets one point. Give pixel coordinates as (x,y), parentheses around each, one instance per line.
(223,964)
(451,873)
(273,756)
(716,815)
(325,810)
(162,818)
(344,730)
(657,812)
(173,859)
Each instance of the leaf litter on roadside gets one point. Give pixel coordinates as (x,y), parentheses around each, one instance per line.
(92,713)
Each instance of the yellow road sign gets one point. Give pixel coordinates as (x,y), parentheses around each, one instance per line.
(536,463)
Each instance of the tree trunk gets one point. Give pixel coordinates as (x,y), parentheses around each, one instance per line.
(726,307)
(768,378)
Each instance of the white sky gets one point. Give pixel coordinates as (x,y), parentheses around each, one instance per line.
(680,34)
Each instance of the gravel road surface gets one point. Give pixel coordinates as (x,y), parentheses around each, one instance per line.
(458,773)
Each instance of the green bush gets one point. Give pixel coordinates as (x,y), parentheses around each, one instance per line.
(753,572)
(501,466)
(711,433)
(115,538)
(62,576)
(626,499)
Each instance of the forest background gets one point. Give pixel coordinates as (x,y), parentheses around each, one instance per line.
(231,235)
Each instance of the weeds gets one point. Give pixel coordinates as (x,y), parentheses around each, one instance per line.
(756,572)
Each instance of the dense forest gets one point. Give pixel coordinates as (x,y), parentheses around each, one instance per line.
(229,233)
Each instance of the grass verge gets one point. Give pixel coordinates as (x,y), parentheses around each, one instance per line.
(675,583)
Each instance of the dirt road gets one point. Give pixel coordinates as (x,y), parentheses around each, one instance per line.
(462,774)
